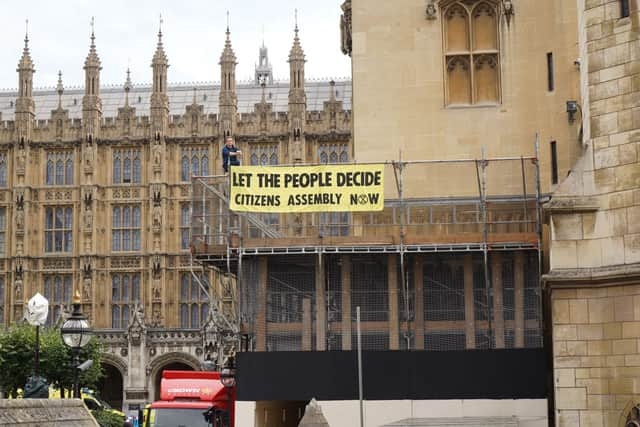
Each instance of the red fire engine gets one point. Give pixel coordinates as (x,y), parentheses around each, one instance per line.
(191,399)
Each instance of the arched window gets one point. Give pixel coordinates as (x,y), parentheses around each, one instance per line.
(185,168)
(3,170)
(195,163)
(193,301)
(136,169)
(57,289)
(58,231)
(59,172)
(117,170)
(204,310)
(115,317)
(125,292)
(471,45)
(184,315)
(126,228)
(127,166)
(68,172)
(205,165)
(126,170)
(184,226)
(49,172)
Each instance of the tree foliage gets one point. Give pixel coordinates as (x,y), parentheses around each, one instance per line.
(17,358)
(107,419)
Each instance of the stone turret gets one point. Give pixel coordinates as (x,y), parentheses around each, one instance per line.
(25,107)
(264,70)
(228,98)
(297,99)
(91,103)
(159,98)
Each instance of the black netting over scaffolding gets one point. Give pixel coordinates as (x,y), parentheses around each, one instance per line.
(441,306)
(370,292)
(290,303)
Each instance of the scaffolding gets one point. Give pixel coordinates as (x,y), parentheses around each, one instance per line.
(426,271)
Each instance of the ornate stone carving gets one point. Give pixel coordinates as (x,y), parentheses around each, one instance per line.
(88,158)
(88,219)
(21,160)
(156,315)
(20,213)
(125,262)
(86,280)
(57,264)
(345,28)
(633,419)
(136,326)
(432,10)
(18,289)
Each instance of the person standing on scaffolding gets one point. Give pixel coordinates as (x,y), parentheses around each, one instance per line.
(230,154)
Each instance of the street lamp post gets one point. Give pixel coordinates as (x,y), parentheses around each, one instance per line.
(228,380)
(76,334)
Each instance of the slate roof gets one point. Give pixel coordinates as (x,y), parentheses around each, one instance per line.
(180,96)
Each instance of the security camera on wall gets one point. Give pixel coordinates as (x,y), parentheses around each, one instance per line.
(577,63)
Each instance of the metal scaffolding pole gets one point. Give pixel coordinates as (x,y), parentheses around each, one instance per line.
(398,169)
(538,211)
(482,187)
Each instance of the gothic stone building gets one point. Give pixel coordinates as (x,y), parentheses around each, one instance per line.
(491,110)
(95,196)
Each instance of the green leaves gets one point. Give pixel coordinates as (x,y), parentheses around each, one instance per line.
(17,358)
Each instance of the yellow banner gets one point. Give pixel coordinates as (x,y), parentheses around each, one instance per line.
(328,188)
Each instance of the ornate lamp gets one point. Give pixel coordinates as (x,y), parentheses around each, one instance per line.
(76,333)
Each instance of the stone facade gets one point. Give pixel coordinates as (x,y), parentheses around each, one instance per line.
(95,195)
(593,281)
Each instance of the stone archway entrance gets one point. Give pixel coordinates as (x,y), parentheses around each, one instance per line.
(110,386)
(173,366)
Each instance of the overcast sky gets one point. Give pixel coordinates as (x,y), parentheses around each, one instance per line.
(126,35)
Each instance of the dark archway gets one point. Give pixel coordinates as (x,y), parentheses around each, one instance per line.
(173,366)
(110,386)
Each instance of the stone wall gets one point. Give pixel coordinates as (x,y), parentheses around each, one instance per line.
(594,279)
(596,335)
(45,413)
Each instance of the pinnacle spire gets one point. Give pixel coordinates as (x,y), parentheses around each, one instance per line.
(228,56)
(127,83)
(92,61)
(127,88)
(296,53)
(60,89)
(93,36)
(25,61)
(160,57)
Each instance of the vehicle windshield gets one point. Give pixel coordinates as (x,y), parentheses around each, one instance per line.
(170,417)
(104,403)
